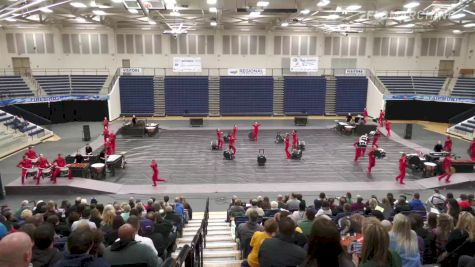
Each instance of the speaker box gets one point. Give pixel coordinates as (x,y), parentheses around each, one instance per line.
(408,131)
(300,121)
(86,133)
(196,122)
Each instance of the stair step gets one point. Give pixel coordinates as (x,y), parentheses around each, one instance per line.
(210,233)
(188,239)
(210,228)
(221,263)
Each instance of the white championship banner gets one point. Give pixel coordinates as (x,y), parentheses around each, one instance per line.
(303,64)
(186,64)
(247,72)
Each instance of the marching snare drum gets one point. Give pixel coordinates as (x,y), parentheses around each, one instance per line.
(214,145)
(46,172)
(34,161)
(98,167)
(429,168)
(379,153)
(63,171)
(32,172)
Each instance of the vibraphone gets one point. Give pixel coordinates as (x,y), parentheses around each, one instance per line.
(115,161)
(79,169)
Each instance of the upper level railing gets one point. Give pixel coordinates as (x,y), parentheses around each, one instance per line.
(53,71)
(423,73)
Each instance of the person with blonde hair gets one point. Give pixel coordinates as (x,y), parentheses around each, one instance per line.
(375,251)
(125,207)
(445,226)
(462,239)
(403,240)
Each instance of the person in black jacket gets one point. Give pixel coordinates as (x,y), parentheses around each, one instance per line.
(44,254)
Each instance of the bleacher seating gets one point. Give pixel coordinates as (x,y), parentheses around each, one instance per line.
(465,87)
(14,86)
(246,95)
(71,84)
(351,93)
(54,84)
(136,95)
(413,85)
(304,95)
(464,128)
(14,123)
(186,95)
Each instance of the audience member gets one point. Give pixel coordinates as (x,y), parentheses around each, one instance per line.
(270,228)
(324,209)
(461,240)
(254,207)
(358,205)
(281,202)
(85,216)
(236,210)
(375,251)
(401,205)
(317,203)
(299,215)
(416,203)
(134,222)
(404,241)
(15,250)
(293,203)
(44,254)
(307,223)
(453,209)
(246,230)
(441,234)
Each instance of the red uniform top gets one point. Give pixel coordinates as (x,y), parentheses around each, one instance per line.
(381,115)
(447,163)
(105,133)
(365,113)
(154,169)
(388,125)
(234,132)
(219,134)
(472,148)
(402,163)
(106,123)
(26,163)
(31,154)
(112,137)
(60,162)
(294,138)
(287,141)
(231,140)
(371,156)
(42,163)
(448,145)
(256,126)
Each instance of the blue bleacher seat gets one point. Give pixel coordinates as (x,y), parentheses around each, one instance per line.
(246,95)
(464,87)
(351,93)
(54,84)
(186,95)
(413,85)
(71,84)
(36,132)
(304,95)
(14,87)
(136,95)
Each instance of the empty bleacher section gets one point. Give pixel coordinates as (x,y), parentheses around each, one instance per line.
(186,95)
(55,84)
(246,95)
(413,85)
(465,87)
(71,84)
(136,95)
(351,93)
(465,128)
(304,95)
(13,87)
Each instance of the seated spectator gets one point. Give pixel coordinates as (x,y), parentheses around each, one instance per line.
(3,231)
(404,241)
(80,243)
(179,209)
(274,208)
(245,230)
(128,251)
(324,209)
(299,215)
(388,208)
(416,203)
(125,211)
(339,208)
(324,248)
(147,229)
(464,204)
(431,221)
(265,204)
(44,254)
(29,229)
(317,203)
(462,239)
(15,250)
(436,200)
(236,210)
(281,203)
(134,222)
(387,225)
(453,209)
(85,216)
(96,217)
(356,221)
(270,228)
(358,205)
(401,205)
(280,250)
(307,223)
(375,251)
(425,237)
(187,207)
(254,206)
(113,234)
(346,213)
(107,220)
(440,234)
(293,203)
(165,228)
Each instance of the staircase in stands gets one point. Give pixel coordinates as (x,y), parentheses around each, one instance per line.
(213,94)
(464,129)
(159,95)
(221,249)
(330,97)
(278,105)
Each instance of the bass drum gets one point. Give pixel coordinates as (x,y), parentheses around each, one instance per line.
(279,139)
(228,154)
(296,154)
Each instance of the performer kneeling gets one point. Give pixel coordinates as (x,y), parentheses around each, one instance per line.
(155,177)
(59,163)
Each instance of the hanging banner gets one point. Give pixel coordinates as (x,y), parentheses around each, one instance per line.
(186,64)
(247,72)
(355,72)
(41,99)
(130,70)
(435,98)
(303,64)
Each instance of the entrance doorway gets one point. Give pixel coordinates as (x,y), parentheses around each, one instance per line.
(21,65)
(125,63)
(446,68)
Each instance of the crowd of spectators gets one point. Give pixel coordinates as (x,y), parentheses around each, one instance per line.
(92,234)
(346,231)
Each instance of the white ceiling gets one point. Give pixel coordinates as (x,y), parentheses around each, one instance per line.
(297,15)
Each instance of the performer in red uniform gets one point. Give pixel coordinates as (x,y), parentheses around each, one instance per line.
(376,137)
(106,123)
(255,130)
(42,164)
(388,127)
(358,150)
(108,147)
(234,132)
(219,136)
(106,134)
(471,150)
(448,144)
(31,153)
(446,164)
(155,177)
(365,114)
(59,163)
(25,164)
(381,118)
(287,145)
(231,140)
(295,139)
(112,138)
(402,168)
(371,158)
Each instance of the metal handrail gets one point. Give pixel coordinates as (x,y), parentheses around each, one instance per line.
(54,71)
(422,73)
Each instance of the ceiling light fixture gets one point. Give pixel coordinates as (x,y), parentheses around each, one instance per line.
(133,11)
(175,13)
(213,23)
(78,4)
(152,22)
(457,16)
(254,13)
(456,31)
(213,9)
(411,5)
(99,12)
(381,14)
(305,11)
(262,3)
(211,2)
(46,10)
(80,19)
(469,25)
(284,24)
(333,16)
(323,3)
(10,19)
(353,7)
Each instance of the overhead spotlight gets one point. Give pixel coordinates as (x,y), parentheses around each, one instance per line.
(262,3)
(323,3)
(213,9)
(46,10)
(96,19)
(456,31)
(353,7)
(80,19)
(78,4)
(170,3)
(305,11)
(457,16)
(254,13)
(211,2)
(411,5)
(10,19)
(151,22)
(213,23)
(284,24)
(99,12)
(175,13)
(133,11)
(333,16)
(381,14)
(469,25)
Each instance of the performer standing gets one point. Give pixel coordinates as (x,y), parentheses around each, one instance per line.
(376,137)
(358,150)
(402,168)
(381,118)
(255,130)
(231,140)
(365,114)
(446,164)
(112,138)
(287,144)
(155,177)
(25,164)
(31,153)
(471,150)
(219,136)
(234,132)
(295,139)
(108,147)
(448,144)
(106,134)
(388,127)
(371,158)
(59,163)
(105,123)
(42,164)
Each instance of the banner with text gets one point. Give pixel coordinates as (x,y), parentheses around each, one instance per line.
(41,99)
(247,72)
(355,72)
(186,64)
(303,64)
(435,98)
(130,70)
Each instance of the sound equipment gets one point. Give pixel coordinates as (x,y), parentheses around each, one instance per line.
(300,121)
(86,133)
(196,122)
(408,131)
(279,138)
(214,145)
(228,154)
(261,159)
(296,154)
